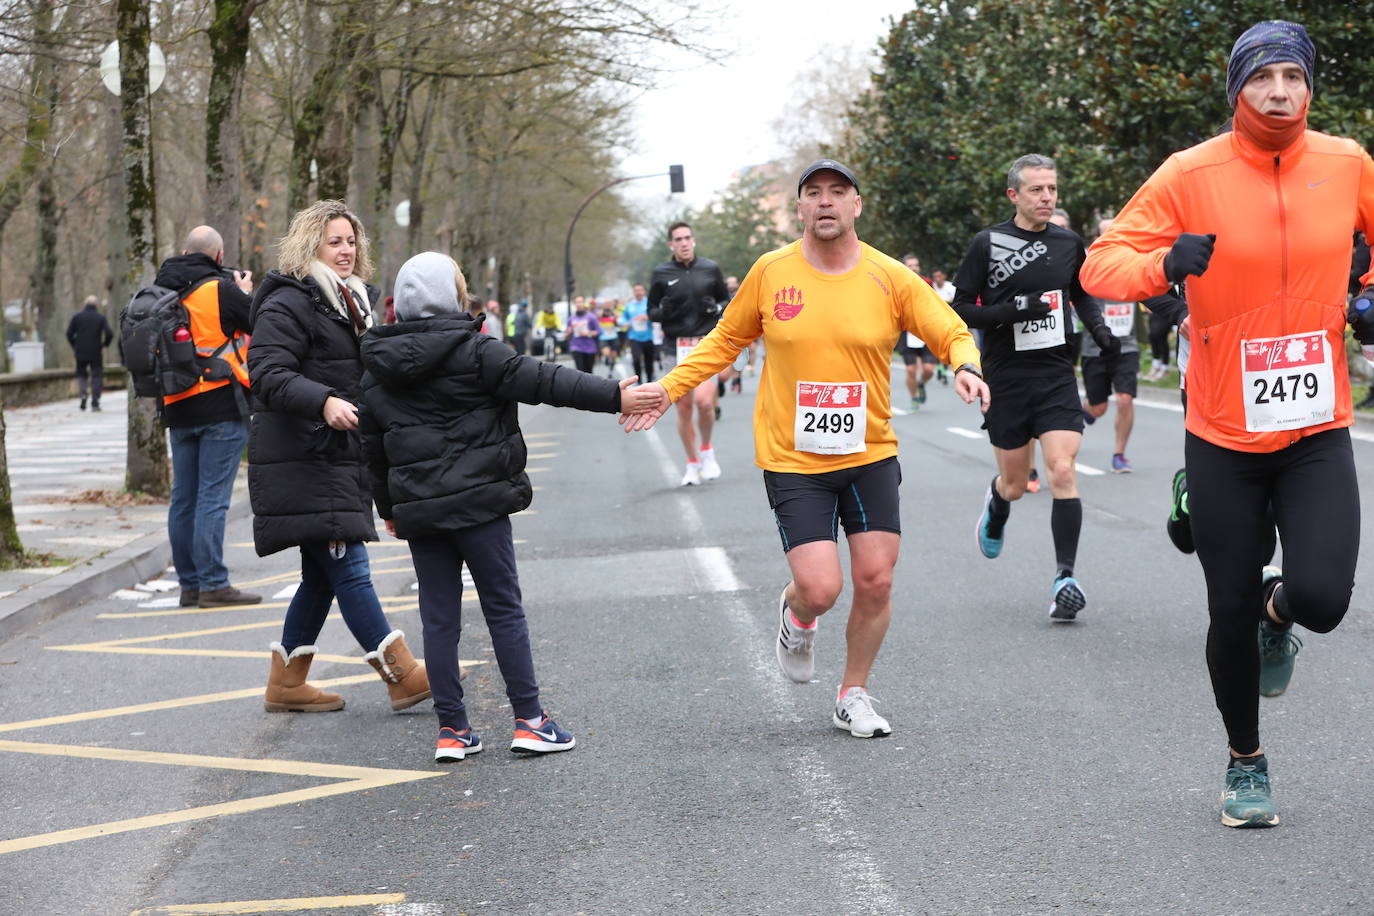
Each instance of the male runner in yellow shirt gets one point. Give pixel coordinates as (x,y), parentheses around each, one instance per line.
(830,309)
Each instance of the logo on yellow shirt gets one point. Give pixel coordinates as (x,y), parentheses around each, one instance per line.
(787,303)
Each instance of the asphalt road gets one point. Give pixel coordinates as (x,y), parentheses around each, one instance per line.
(1033,768)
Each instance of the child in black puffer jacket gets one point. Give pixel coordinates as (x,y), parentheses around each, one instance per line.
(442,441)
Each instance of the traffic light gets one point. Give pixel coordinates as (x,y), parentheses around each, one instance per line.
(676,184)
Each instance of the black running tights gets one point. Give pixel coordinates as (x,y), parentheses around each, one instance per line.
(1316,506)
(1159,338)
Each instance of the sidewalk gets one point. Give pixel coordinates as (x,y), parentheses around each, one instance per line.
(66,480)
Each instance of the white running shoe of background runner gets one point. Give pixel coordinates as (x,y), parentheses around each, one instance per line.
(710,470)
(693,476)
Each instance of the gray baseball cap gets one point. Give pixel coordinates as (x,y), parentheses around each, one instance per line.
(821,165)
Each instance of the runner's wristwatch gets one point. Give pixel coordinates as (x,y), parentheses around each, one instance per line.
(968,367)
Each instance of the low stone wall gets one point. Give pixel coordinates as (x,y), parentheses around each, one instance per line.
(25,389)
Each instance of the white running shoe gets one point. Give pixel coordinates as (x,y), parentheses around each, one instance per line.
(693,476)
(710,470)
(854,712)
(796,646)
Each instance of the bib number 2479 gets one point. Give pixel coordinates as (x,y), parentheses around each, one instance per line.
(1288,382)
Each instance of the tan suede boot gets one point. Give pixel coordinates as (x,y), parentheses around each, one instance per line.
(287,690)
(405,678)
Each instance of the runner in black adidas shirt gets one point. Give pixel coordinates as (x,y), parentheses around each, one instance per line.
(1015,283)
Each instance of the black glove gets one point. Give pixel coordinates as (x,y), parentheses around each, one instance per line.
(1036,308)
(1108,342)
(1189,256)
(1362,319)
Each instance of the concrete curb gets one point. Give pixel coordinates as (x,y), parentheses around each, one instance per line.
(96,577)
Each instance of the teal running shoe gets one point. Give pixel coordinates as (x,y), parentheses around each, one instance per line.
(1247,800)
(989,530)
(1068,600)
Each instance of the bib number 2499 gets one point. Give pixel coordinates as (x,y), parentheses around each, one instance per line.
(832,418)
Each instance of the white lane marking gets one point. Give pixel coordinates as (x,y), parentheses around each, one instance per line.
(1087,471)
(714,572)
(966,433)
(806,771)
(287,592)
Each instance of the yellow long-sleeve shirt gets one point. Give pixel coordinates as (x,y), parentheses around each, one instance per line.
(827,336)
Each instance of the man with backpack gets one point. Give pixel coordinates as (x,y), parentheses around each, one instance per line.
(208,419)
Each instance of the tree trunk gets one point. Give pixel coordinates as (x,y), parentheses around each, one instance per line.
(118,288)
(321,100)
(43,276)
(42,90)
(148,469)
(11,547)
(229,33)
(417,172)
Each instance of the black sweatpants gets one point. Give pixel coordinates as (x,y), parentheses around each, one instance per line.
(1316,506)
(489,552)
(96,370)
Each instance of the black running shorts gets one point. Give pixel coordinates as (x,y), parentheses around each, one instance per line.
(811,507)
(1024,408)
(1104,374)
(910,355)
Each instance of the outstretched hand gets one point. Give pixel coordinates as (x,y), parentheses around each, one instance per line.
(642,405)
(969,386)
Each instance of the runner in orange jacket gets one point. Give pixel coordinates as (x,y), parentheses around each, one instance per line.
(1259,221)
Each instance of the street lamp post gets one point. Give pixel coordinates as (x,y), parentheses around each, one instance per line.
(676,185)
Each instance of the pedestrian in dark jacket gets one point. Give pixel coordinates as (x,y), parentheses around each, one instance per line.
(442,439)
(89,334)
(306,479)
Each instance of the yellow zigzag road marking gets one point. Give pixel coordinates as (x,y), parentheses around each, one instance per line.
(354,779)
(157,705)
(377,570)
(181,612)
(284,905)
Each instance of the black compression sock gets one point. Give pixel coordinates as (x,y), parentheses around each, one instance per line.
(998,512)
(1000,507)
(1066,521)
(1276,591)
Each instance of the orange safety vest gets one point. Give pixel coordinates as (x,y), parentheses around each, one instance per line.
(1275,290)
(202,303)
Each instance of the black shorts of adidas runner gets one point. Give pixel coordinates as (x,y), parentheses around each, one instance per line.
(1104,374)
(812,507)
(910,355)
(1023,408)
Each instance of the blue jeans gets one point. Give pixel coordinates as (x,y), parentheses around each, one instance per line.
(323,578)
(205,460)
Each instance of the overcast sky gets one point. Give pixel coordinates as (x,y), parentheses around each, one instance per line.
(715,118)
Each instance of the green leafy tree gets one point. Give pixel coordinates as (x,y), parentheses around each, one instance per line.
(1108,88)
(741,224)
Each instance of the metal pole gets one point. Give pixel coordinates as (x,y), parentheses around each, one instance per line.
(568,283)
